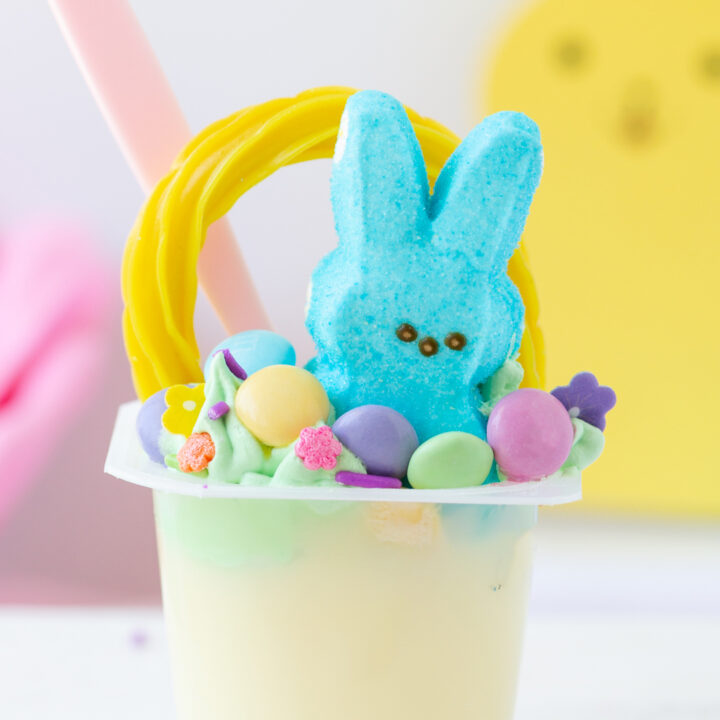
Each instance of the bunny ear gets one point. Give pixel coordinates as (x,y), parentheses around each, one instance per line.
(379,183)
(483,194)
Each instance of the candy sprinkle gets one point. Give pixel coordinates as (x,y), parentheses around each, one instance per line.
(197,453)
(318,448)
(218,410)
(233,365)
(345,477)
(586,399)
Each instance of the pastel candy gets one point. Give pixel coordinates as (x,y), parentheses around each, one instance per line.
(380,436)
(354,479)
(277,402)
(197,453)
(530,433)
(450,460)
(255,349)
(149,425)
(414,308)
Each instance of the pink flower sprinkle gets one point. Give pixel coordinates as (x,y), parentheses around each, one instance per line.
(318,448)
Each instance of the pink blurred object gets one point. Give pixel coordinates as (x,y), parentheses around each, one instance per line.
(54,299)
(135,97)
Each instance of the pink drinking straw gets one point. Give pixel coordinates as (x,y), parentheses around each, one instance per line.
(138,104)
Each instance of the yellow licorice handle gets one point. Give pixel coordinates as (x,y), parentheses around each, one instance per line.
(220,164)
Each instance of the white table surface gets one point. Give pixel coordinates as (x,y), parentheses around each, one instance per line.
(634,635)
(113,665)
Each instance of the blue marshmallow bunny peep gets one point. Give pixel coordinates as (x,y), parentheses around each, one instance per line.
(414,309)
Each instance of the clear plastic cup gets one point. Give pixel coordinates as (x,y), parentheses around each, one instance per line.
(341,603)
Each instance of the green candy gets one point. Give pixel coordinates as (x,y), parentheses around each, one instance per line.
(450,460)
(291,470)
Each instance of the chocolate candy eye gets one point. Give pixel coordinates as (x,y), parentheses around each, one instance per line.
(456,341)
(406,333)
(428,346)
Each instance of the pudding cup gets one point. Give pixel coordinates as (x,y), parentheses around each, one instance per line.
(320,603)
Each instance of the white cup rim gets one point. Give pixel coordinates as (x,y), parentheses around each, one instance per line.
(127,461)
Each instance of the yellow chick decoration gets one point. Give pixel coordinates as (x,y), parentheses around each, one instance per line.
(624,233)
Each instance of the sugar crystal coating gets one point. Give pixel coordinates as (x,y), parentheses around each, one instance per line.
(317,448)
(410,265)
(197,453)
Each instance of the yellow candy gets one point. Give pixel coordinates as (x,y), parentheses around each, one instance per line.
(277,402)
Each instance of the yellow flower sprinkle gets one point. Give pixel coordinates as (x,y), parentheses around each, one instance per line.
(183,407)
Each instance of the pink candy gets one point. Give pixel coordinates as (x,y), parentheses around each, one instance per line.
(530,433)
(318,448)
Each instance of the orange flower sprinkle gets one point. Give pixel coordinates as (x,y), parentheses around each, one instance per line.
(196,453)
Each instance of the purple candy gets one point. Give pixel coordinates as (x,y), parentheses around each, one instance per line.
(232,364)
(345,477)
(149,426)
(380,436)
(218,410)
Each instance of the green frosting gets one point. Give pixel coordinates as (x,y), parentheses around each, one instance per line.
(171,461)
(505,380)
(236,449)
(239,457)
(170,443)
(253,479)
(273,458)
(292,471)
(588,444)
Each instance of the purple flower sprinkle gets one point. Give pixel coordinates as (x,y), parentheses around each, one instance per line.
(345,477)
(218,410)
(586,399)
(232,364)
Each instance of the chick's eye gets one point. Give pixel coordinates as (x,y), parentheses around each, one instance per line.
(710,65)
(406,333)
(571,52)
(456,341)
